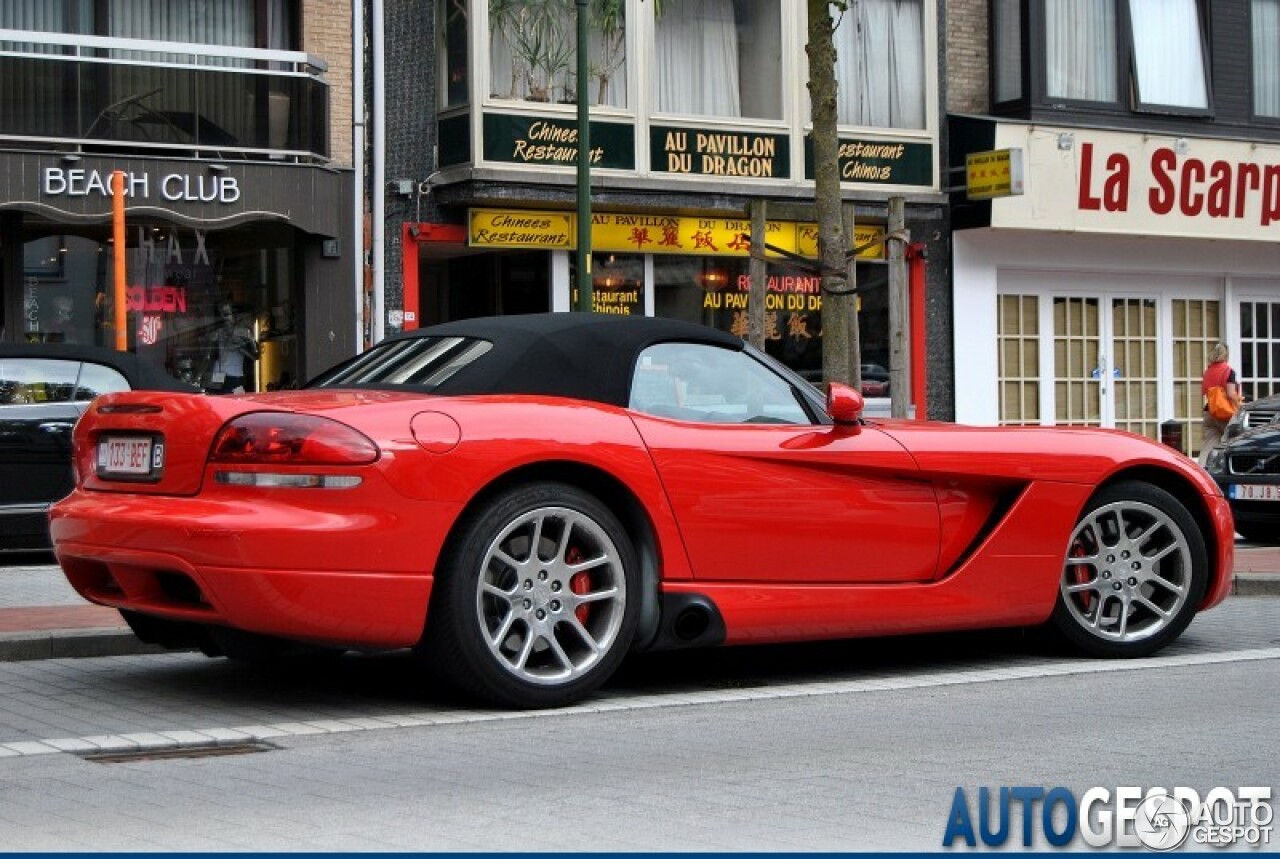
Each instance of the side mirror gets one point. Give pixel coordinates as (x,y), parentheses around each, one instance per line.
(844,404)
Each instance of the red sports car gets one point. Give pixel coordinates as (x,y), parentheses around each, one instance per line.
(527,499)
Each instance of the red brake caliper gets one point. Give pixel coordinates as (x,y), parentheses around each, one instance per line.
(1081,575)
(580,583)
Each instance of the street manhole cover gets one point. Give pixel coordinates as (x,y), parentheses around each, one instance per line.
(137,755)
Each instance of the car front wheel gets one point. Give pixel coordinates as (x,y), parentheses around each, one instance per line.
(537,600)
(1135,572)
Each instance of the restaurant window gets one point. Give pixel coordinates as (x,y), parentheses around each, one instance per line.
(617,283)
(1266,57)
(1168,54)
(714,291)
(880,62)
(180,284)
(1080,50)
(533,51)
(719,58)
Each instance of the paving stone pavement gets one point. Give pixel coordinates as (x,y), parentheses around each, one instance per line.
(182,699)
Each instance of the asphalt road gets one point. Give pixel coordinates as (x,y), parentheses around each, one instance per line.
(845,746)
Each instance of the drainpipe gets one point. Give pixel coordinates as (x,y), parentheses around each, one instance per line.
(357,159)
(378,154)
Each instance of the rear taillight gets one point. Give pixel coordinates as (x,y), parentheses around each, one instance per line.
(282,438)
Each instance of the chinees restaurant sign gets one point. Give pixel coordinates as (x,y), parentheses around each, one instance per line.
(694,152)
(539,140)
(879,162)
(656,234)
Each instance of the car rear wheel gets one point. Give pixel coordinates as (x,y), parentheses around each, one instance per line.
(537,601)
(1135,572)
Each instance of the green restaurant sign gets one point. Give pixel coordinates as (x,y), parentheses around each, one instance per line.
(545,141)
(879,162)
(700,152)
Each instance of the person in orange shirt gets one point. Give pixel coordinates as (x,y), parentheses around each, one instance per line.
(1218,373)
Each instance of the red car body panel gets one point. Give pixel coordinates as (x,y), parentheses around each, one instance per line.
(795,532)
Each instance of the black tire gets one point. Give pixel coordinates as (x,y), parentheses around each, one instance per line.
(1259,532)
(510,625)
(1134,573)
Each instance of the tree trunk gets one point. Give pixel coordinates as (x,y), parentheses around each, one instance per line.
(838,300)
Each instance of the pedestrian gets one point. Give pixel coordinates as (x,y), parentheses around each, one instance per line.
(233,346)
(1217,375)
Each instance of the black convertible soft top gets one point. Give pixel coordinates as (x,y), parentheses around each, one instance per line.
(586,356)
(141,373)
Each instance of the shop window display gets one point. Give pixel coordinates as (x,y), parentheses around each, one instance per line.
(183,285)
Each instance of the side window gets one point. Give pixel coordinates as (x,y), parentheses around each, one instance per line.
(37,380)
(97,379)
(710,384)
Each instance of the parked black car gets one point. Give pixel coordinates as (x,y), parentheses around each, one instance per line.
(44,388)
(1247,467)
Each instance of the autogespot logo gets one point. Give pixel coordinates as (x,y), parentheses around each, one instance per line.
(1156,818)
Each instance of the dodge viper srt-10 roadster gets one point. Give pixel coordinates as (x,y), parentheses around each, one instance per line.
(524,500)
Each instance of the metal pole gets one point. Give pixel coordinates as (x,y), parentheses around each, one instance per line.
(120,314)
(899,317)
(584,165)
(759,272)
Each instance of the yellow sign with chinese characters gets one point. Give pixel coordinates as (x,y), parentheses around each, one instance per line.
(656,234)
(997,173)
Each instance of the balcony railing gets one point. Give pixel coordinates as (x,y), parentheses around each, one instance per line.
(130,94)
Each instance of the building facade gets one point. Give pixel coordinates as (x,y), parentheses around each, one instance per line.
(699,108)
(231,123)
(1137,223)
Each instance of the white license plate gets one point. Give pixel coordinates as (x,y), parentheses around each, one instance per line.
(129,456)
(1255,491)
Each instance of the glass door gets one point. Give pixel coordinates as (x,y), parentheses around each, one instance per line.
(1105,362)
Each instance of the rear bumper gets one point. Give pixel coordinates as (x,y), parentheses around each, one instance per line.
(355,577)
(353,608)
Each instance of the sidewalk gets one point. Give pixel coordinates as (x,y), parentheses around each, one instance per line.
(41,617)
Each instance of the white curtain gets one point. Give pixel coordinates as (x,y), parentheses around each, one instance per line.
(171,105)
(42,16)
(1266,57)
(880,64)
(1168,53)
(225,22)
(696,48)
(1080,38)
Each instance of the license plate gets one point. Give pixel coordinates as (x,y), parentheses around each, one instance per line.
(129,456)
(1254,491)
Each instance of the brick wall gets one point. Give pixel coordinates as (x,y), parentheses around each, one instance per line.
(326,33)
(967,56)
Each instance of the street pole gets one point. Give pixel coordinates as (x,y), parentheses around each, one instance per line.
(120,313)
(899,310)
(584,165)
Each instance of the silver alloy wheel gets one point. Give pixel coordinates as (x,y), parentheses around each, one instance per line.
(551,595)
(1127,573)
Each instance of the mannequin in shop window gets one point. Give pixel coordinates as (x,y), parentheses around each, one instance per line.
(233,348)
